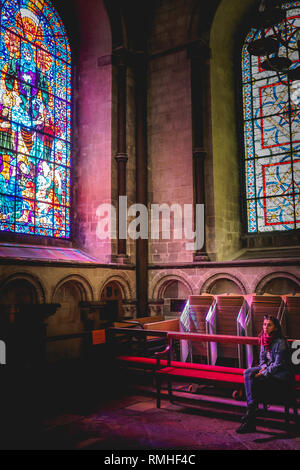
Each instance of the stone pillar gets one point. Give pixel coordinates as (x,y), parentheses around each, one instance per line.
(120,60)
(140,74)
(95,314)
(199,56)
(27,333)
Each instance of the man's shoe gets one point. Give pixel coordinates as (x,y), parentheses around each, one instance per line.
(246,427)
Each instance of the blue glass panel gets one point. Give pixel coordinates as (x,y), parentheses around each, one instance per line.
(271,136)
(35,119)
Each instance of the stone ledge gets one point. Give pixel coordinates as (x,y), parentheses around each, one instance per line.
(227,264)
(35,254)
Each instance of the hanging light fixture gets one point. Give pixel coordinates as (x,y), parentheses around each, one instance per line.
(274,41)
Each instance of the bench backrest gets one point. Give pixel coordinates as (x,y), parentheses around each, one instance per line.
(198,307)
(291,318)
(227,310)
(261,305)
(133,341)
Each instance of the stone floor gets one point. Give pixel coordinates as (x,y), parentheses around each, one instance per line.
(126,418)
(132,421)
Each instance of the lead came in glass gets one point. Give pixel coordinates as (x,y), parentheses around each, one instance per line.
(272,138)
(35,116)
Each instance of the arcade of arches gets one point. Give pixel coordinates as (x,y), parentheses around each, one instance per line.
(155,118)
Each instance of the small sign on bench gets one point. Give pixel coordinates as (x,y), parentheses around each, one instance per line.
(98,336)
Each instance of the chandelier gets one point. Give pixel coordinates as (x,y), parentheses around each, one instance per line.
(277,41)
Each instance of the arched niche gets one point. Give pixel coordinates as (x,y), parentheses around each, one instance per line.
(22,325)
(175,289)
(113,296)
(18,291)
(174,293)
(278,285)
(13,294)
(67,320)
(223,284)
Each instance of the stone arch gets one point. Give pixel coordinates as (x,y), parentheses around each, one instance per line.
(162,283)
(225,146)
(263,283)
(200,20)
(122,282)
(208,285)
(117,25)
(83,285)
(34,281)
(68,318)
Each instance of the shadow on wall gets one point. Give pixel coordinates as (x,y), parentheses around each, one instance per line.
(224,286)
(280,286)
(20,326)
(112,294)
(66,320)
(175,294)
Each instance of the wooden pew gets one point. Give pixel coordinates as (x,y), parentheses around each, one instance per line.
(210,374)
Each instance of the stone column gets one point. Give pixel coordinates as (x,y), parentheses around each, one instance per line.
(120,60)
(199,56)
(27,333)
(140,74)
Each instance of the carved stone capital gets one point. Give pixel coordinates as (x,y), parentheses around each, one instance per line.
(121,57)
(199,153)
(121,158)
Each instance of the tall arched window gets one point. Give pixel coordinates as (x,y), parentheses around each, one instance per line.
(35,120)
(271,140)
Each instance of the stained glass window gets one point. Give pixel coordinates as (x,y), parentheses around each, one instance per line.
(35,120)
(272,138)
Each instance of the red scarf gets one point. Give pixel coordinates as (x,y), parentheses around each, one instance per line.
(266,340)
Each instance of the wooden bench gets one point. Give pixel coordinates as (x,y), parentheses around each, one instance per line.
(164,368)
(199,373)
(127,342)
(208,374)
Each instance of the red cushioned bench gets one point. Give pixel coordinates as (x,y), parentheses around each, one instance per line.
(212,377)
(166,369)
(152,364)
(195,373)
(207,374)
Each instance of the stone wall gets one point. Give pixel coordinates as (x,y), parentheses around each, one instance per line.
(93,129)
(169,122)
(67,286)
(247,279)
(170,170)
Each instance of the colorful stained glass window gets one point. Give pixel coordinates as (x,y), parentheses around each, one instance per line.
(35,115)
(271,109)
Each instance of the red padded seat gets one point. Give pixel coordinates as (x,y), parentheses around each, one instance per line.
(185,365)
(191,368)
(202,374)
(226,370)
(139,360)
